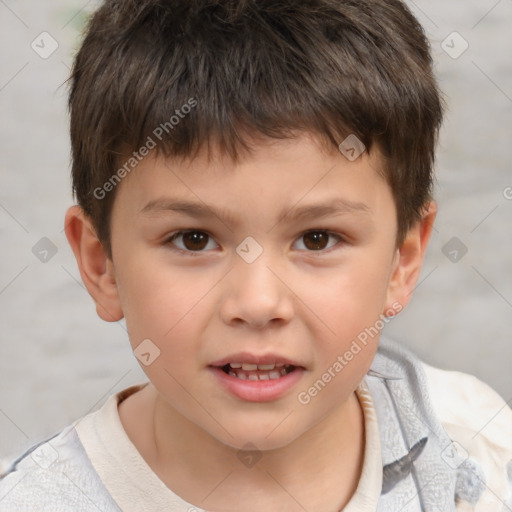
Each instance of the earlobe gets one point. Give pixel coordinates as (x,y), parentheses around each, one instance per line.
(409,259)
(96,268)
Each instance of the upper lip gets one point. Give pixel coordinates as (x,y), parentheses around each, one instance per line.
(246,357)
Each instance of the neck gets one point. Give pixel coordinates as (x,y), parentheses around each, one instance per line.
(324,464)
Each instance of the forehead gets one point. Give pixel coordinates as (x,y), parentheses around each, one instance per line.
(299,174)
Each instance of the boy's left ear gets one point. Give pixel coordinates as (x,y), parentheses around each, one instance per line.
(409,259)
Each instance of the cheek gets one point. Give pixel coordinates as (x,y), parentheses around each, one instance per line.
(346,337)
(165,308)
(347,320)
(348,298)
(160,303)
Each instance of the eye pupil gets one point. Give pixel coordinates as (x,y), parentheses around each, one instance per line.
(195,237)
(318,238)
(197,241)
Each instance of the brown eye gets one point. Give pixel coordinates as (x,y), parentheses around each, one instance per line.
(195,240)
(316,240)
(191,241)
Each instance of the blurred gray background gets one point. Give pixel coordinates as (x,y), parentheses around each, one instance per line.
(58,360)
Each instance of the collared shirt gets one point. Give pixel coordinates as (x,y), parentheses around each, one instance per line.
(93,465)
(135,487)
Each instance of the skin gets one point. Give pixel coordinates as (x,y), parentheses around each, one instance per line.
(296,300)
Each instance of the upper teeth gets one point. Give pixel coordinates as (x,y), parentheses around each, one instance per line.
(250,366)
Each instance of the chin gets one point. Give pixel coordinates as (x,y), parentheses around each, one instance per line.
(257,438)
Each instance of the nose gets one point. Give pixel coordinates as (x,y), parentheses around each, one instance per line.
(256,295)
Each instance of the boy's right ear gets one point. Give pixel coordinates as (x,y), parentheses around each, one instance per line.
(96,268)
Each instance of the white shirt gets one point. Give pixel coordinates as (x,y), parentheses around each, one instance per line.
(462,402)
(135,487)
(59,476)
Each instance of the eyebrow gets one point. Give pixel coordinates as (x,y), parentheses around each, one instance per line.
(332,207)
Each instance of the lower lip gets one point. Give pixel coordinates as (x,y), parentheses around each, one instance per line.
(258,390)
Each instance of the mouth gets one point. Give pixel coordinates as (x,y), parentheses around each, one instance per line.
(254,372)
(257,378)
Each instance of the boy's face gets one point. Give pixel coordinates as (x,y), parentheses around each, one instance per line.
(254,282)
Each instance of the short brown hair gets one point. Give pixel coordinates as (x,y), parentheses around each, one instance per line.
(270,67)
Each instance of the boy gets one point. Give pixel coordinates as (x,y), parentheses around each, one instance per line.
(254,198)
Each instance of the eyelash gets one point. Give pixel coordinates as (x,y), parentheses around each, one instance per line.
(168,241)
